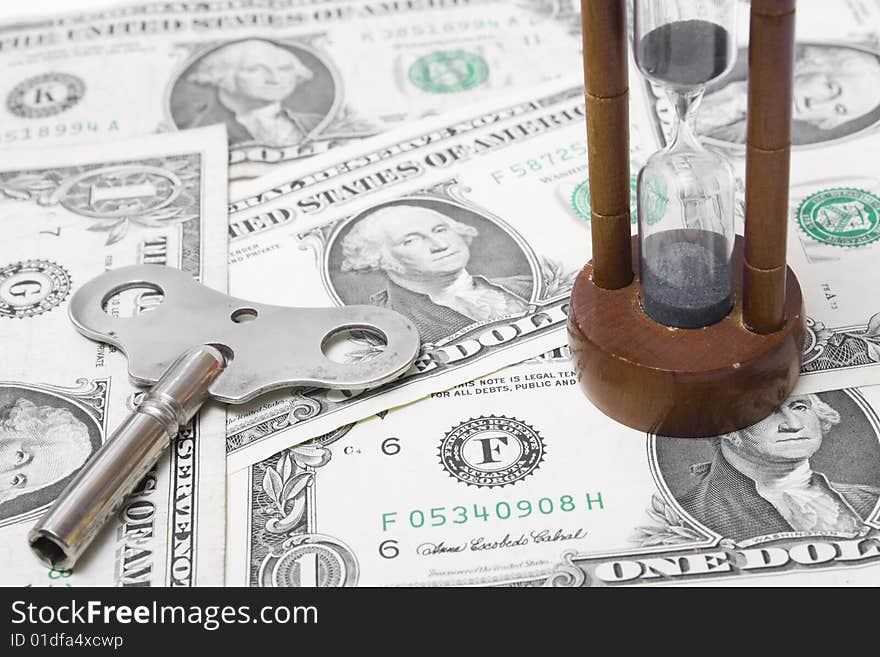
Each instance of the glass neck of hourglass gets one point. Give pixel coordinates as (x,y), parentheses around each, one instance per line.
(686,103)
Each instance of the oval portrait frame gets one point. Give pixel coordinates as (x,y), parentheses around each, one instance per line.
(34,503)
(201,50)
(342,227)
(868,417)
(740,149)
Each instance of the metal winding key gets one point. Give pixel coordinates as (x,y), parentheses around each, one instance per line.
(199,344)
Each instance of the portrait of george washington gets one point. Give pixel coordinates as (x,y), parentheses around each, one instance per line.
(420,260)
(762,479)
(264,92)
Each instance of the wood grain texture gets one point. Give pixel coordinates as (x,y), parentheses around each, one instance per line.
(771,67)
(767,191)
(681,382)
(773,7)
(771,70)
(608,153)
(764,294)
(606,84)
(605,47)
(612,268)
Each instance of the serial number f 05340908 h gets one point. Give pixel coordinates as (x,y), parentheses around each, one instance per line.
(439,516)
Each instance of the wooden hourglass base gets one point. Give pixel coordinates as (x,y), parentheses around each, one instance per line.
(690,383)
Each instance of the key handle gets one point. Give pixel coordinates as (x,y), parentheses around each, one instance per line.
(269,347)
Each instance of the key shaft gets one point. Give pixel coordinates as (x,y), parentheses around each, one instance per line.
(100,487)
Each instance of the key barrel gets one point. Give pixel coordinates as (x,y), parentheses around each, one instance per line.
(99,488)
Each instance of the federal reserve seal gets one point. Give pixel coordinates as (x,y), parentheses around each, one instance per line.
(843,216)
(491,451)
(449,71)
(580,200)
(45,95)
(31,288)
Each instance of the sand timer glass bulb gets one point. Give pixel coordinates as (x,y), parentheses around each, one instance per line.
(685,192)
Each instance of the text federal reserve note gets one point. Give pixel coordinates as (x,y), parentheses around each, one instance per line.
(67,216)
(516,479)
(288,79)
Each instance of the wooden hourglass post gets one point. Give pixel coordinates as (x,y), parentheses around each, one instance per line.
(606,89)
(724,376)
(768,151)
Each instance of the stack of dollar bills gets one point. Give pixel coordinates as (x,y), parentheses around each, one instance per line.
(426,156)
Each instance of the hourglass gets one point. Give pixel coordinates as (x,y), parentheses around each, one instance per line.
(685,192)
(705,337)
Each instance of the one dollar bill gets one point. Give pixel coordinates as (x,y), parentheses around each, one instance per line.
(67,216)
(287,79)
(516,479)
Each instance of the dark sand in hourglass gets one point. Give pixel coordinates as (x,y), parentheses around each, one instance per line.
(685,278)
(685,274)
(687,53)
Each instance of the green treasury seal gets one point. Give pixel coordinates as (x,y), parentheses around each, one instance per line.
(580,200)
(842,216)
(449,71)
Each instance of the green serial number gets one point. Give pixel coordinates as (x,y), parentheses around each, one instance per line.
(58,577)
(438,516)
(55,130)
(542,163)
